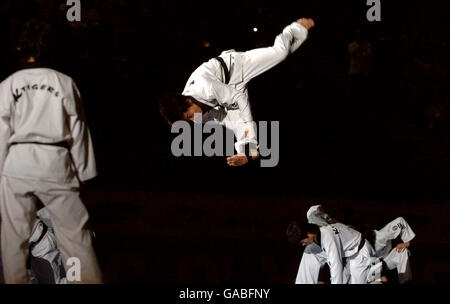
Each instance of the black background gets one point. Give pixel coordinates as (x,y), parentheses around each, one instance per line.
(347,147)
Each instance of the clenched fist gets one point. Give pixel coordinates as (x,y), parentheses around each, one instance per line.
(306,22)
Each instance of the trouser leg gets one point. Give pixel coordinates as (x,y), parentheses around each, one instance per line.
(18,211)
(257,61)
(399,260)
(359,265)
(69,217)
(358,271)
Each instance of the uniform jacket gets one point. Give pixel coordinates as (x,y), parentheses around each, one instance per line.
(337,240)
(44,106)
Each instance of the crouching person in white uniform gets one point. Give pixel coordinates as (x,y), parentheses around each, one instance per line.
(45,152)
(217,90)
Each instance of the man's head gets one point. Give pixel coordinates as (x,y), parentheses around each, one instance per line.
(316,215)
(294,233)
(302,233)
(35,41)
(312,234)
(174,107)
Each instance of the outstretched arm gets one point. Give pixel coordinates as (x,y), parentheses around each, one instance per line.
(246,147)
(244,128)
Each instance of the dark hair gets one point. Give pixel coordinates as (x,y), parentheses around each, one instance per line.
(172,106)
(36,40)
(311,228)
(297,231)
(294,233)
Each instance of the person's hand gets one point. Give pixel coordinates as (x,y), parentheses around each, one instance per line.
(307,23)
(237,160)
(255,154)
(402,246)
(306,241)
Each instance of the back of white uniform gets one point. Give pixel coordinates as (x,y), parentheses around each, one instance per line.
(348,238)
(338,241)
(39,107)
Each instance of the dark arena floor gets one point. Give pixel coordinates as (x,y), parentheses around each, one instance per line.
(185,238)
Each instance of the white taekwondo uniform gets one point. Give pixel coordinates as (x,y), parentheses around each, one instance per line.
(40,112)
(313,259)
(338,242)
(230,102)
(384,250)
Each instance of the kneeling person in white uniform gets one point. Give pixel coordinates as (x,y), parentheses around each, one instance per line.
(45,152)
(217,90)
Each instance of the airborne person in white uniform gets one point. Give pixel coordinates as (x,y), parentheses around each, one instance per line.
(350,257)
(45,152)
(217,90)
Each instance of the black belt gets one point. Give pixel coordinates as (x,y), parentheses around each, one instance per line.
(225,69)
(61,144)
(361,244)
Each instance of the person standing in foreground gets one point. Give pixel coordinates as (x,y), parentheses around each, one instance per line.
(45,152)
(217,90)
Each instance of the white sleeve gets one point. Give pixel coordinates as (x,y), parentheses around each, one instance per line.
(398,227)
(5,128)
(245,132)
(229,97)
(333,252)
(294,35)
(82,150)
